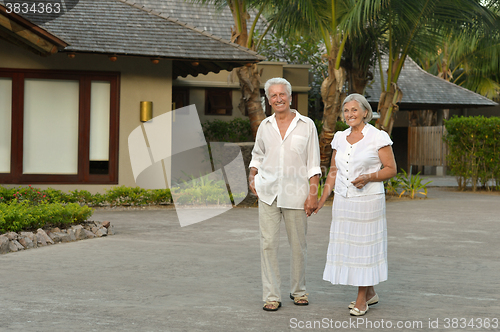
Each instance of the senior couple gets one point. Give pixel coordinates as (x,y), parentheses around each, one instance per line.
(284,174)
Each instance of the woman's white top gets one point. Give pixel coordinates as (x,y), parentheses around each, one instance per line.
(353,160)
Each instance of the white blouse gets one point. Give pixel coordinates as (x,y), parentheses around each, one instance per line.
(352,160)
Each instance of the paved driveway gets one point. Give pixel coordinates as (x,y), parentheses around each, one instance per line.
(154,275)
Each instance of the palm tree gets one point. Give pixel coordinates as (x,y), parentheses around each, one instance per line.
(470,59)
(413,26)
(243,35)
(330,22)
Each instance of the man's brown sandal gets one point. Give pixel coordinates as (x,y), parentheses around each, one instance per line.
(273,306)
(299,300)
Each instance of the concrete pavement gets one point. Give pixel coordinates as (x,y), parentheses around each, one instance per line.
(154,275)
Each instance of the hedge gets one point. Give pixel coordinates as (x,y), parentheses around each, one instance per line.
(236,130)
(19,216)
(115,196)
(27,208)
(474,150)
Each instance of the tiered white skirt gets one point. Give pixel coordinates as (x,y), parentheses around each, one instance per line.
(357,252)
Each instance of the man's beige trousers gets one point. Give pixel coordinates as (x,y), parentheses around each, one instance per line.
(270,217)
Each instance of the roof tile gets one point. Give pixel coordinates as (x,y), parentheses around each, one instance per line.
(423,90)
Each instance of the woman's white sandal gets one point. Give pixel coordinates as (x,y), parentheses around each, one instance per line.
(357,312)
(372,301)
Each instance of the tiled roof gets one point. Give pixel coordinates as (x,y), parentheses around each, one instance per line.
(422,90)
(205,17)
(122,28)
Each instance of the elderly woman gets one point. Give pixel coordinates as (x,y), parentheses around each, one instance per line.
(362,158)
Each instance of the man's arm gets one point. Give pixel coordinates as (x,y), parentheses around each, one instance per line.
(251,180)
(313,171)
(258,154)
(311,203)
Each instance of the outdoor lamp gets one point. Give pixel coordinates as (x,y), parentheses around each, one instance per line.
(146,111)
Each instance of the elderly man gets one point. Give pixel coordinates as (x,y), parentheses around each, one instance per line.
(284,174)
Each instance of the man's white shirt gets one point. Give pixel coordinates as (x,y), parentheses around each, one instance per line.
(285,165)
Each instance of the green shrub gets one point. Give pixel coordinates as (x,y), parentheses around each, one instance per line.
(236,130)
(137,196)
(161,196)
(55,196)
(203,191)
(23,194)
(392,186)
(474,147)
(26,208)
(128,196)
(115,196)
(409,185)
(19,216)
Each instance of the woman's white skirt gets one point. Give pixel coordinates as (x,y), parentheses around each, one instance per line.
(357,252)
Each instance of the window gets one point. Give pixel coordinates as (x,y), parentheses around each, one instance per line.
(180,97)
(218,102)
(5,123)
(58,127)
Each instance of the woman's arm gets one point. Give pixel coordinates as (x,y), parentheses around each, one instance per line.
(329,183)
(387,158)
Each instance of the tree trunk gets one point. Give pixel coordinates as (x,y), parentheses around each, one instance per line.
(331,93)
(249,76)
(250,101)
(358,79)
(388,106)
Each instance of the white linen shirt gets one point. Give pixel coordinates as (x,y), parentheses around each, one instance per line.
(352,160)
(285,165)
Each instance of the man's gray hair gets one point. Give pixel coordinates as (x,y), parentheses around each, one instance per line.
(362,102)
(275,81)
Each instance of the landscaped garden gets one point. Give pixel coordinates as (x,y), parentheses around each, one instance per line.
(29,208)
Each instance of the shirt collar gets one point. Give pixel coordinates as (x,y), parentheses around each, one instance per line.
(298,116)
(363,131)
(272,120)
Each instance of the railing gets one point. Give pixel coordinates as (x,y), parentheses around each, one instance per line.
(426,146)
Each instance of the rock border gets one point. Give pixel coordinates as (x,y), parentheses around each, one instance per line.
(13,242)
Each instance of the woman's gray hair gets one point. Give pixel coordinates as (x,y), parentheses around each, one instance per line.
(362,102)
(276,81)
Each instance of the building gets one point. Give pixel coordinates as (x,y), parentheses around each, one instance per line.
(71,84)
(423,92)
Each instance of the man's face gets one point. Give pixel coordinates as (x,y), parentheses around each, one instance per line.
(279,98)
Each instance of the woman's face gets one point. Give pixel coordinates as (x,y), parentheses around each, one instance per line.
(354,114)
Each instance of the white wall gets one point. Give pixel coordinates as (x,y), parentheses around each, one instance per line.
(141,80)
